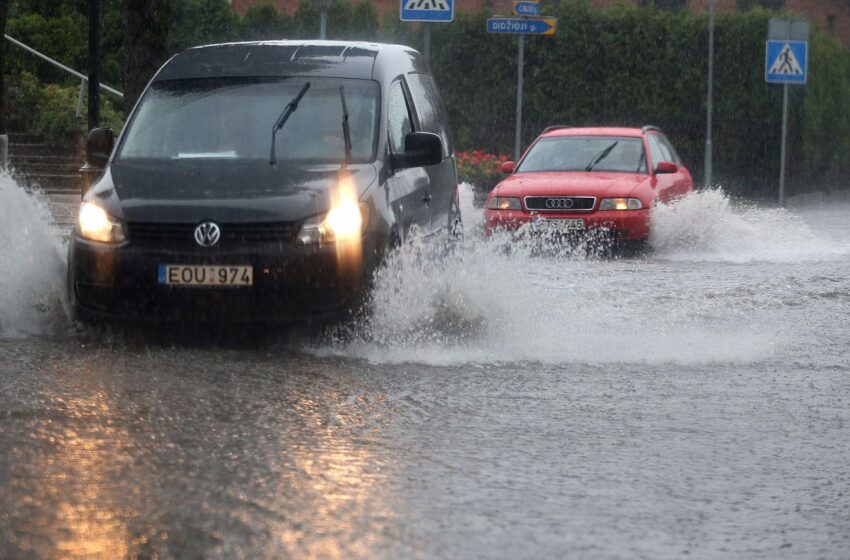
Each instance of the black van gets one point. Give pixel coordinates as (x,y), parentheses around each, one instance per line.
(262,181)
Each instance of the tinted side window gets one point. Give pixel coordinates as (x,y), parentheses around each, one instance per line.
(668,147)
(398,117)
(655,150)
(429,106)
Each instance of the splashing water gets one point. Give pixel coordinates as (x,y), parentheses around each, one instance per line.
(706,227)
(32,264)
(488,304)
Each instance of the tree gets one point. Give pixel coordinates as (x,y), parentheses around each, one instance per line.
(145,44)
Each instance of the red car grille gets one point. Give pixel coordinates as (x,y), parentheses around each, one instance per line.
(560,203)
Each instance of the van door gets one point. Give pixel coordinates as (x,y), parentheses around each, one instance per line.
(433,117)
(409,189)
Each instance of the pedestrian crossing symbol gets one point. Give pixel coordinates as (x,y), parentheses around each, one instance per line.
(785,62)
(427,10)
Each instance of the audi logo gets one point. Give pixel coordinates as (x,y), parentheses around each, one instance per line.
(559,203)
(207,234)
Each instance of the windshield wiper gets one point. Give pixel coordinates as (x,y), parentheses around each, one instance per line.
(281,120)
(600,156)
(346,131)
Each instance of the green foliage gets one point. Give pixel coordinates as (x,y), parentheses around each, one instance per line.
(63,38)
(199,22)
(264,22)
(50,109)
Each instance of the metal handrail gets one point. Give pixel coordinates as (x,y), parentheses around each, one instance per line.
(42,56)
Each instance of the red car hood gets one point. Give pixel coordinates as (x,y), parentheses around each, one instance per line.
(599,184)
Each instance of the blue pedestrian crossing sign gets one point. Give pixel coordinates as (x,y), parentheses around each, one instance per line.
(428,10)
(785,62)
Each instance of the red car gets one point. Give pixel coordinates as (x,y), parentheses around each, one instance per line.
(579,180)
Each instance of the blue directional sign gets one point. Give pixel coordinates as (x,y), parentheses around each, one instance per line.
(526,8)
(785,62)
(524,26)
(427,10)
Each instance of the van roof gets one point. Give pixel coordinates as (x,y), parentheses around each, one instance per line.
(340,59)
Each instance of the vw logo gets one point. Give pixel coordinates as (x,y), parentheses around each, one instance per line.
(559,203)
(207,234)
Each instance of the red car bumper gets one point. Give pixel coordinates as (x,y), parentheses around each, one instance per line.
(628,225)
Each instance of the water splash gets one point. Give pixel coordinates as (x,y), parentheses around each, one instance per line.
(499,300)
(707,226)
(32,264)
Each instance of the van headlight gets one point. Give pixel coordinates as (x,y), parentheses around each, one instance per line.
(95,224)
(344,222)
(620,204)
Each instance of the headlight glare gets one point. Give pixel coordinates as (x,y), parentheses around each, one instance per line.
(343,223)
(504,203)
(95,224)
(620,204)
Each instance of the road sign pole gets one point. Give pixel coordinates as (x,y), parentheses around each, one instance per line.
(710,102)
(519,65)
(426,47)
(784,141)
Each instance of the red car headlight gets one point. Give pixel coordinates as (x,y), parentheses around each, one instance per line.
(620,204)
(503,203)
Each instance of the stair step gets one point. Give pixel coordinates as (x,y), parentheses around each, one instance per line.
(28,159)
(45,168)
(53,182)
(41,149)
(25,138)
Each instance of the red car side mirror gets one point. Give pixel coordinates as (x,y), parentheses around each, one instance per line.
(507,167)
(666,167)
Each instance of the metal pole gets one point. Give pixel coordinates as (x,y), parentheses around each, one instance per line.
(323,24)
(94,64)
(784,141)
(426,49)
(519,64)
(710,102)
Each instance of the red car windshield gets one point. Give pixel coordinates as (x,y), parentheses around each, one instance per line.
(585,153)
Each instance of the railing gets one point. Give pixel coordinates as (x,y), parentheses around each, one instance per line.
(83,78)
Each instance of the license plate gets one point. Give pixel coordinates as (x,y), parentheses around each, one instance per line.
(563,224)
(205,275)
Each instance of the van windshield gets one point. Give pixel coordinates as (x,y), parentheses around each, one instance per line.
(232,118)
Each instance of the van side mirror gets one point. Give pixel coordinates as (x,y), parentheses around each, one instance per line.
(99,147)
(420,149)
(666,167)
(507,167)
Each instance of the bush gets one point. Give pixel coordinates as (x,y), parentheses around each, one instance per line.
(51,109)
(480,169)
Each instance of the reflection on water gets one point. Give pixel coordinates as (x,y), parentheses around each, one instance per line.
(92,527)
(142,453)
(338,480)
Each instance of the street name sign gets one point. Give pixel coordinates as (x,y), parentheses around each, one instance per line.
(526,8)
(524,26)
(427,10)
(786,62)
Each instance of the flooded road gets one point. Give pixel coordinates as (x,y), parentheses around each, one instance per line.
(504,404)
